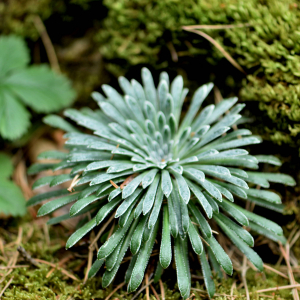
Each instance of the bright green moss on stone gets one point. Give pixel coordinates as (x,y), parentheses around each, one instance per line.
(142,31)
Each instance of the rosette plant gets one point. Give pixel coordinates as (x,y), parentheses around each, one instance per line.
(162,176)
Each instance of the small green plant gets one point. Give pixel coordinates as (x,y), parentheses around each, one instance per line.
(161,178)
(12,201)
(36,86)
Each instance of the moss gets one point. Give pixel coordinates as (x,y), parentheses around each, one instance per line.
(145,31)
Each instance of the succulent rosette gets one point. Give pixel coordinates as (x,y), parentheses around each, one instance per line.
(164,177)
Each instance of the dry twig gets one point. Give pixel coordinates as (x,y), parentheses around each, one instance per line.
(218,46)
(47,43)
(117,288)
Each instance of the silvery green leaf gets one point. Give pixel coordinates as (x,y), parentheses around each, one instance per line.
(127,202)
(270,159)
(148,178)
(108,247)
(60,123)
(166,133)
(81,204)
(169,106)
(234,212)
(156,207)
(106,177)
(164,76)
(106,209)
(272,177)
(150,128)
(175,199)
(158,138)
(184,136)
(252,178)
(208,277)
(126,86)
(74,138)
(252,256)
(197,100)
(97,97)
(111,260)
(150,196)
(149,87)
(194,174)
(135,127)
(221,108)
(139,208)
(207,154)
(80,233)
(135,109)
(176,90)
(202,117)
(183,187)
(125,216)
(181,268)
(211,189)
(189,160)
(142,261)
(161,121)
(214,170)
(138,91)
(232,179)
(202,200)
(231,188)
(172,124)
(195,239)
(166,183)
(83,120)
(201,221)
(88,156)
(42,182)
(162,91)
(263,203)
(228,120)
(165,253)
(101,146)
(239,161)
(136,239)
(176,168)
(130,268)
(267,233)
(103,164)
(53,205)
(140,167)
(114,194)
(225,192)
(113,113)
(116,99)
(239,172)
(49,195)
(238,143)
(95,267)
(221,256)
(52,154)
(115,168)
(211,135)
(36,168)
(265,195)
(238,230)
(212,202)
(118,129)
